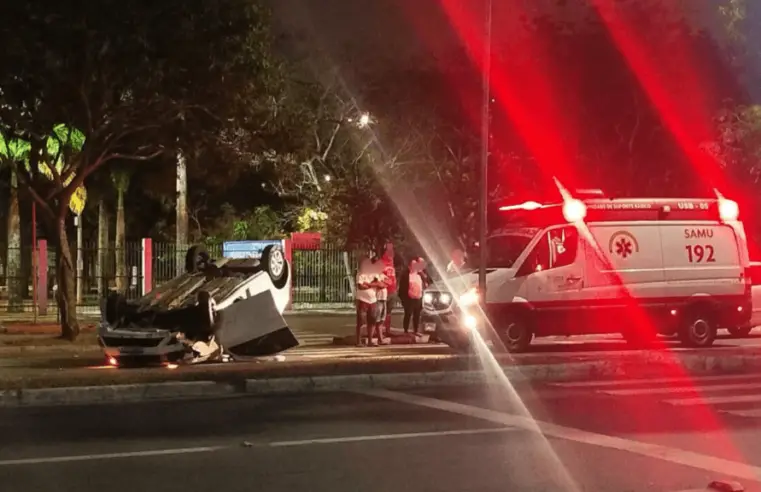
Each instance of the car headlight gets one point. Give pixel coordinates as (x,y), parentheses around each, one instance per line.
(428,298)
(469,298)
(445,298)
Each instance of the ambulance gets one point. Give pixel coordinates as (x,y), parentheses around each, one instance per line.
(588,264)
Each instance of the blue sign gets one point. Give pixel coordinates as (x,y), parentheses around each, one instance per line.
(247,249)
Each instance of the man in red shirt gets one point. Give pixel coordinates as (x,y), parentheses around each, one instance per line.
(391,285)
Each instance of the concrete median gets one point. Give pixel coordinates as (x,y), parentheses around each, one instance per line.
(85,386)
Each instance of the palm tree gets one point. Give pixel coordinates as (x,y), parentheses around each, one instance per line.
(121,177)
(13,152)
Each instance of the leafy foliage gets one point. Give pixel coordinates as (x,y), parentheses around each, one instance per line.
(139,79)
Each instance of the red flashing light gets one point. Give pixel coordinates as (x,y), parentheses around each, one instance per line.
(574,210)
(728,210)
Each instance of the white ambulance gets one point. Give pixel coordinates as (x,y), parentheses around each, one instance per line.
(638,267)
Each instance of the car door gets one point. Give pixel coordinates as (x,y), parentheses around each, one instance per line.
(554,279)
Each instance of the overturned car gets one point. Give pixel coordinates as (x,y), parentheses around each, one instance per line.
(217,310)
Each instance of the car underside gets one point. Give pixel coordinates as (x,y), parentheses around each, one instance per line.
(223,310)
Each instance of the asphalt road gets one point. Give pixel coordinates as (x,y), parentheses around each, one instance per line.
(669,435)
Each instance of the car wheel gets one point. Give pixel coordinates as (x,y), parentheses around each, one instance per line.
(740,331)
(196,259)
(516,334)
(274,262)
(114,308)
(698,329)
(207,311)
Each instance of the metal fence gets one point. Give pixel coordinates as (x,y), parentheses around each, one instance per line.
(321,278)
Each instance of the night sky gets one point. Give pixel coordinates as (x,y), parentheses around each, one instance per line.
(412,31)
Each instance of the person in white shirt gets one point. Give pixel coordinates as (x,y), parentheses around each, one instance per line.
(367,298)
(381,305)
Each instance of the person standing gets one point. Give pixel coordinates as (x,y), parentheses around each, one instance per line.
(366,299)
(381,292)
(411,291)
(392,295)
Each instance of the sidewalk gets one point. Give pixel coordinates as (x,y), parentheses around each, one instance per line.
(92,315)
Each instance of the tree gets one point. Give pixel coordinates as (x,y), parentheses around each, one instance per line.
(323,162)
(121,176)
(138,78)
(13,152)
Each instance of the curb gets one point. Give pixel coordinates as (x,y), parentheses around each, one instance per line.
(586,370)
(11,350)
(320,312)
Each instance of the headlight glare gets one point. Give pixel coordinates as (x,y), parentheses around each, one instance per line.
(469,298)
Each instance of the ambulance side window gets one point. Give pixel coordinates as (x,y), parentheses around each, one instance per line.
(564,245)
(557,248)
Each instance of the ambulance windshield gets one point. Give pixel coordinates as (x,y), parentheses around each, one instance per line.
(504,250)
(504,247)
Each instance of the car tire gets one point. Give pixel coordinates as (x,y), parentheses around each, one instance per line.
(196,259)
(698,328)
(207,313)
(274,263)
(114,308)
(739,331)
(460,342)
(516,334)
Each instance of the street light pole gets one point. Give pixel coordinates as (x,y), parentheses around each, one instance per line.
(483,182)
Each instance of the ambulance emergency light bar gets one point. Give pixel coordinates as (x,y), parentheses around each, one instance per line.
(623,209)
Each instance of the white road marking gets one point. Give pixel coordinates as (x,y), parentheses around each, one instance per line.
(680,389)
(656,451)
(632,382)
(713,400)
(383,437)
(109,456)
(750,412)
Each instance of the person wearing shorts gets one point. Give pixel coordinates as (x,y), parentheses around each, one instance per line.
(381,305)
(391,286)
(366,300)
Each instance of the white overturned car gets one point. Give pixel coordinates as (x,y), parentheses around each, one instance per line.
(216,310)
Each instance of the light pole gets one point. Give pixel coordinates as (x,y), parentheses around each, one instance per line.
(483,182)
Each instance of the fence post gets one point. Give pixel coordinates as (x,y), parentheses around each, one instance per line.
(147,265)
(288,250)
(42,275)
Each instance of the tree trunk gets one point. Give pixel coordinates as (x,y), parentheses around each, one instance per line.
(102,257)
(13,279)
(65,295)
(121,246)
(181,234)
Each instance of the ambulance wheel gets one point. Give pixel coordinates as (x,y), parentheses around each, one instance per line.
(698,328)
(516,334)
(196,259)
(739,331)
(276,266)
